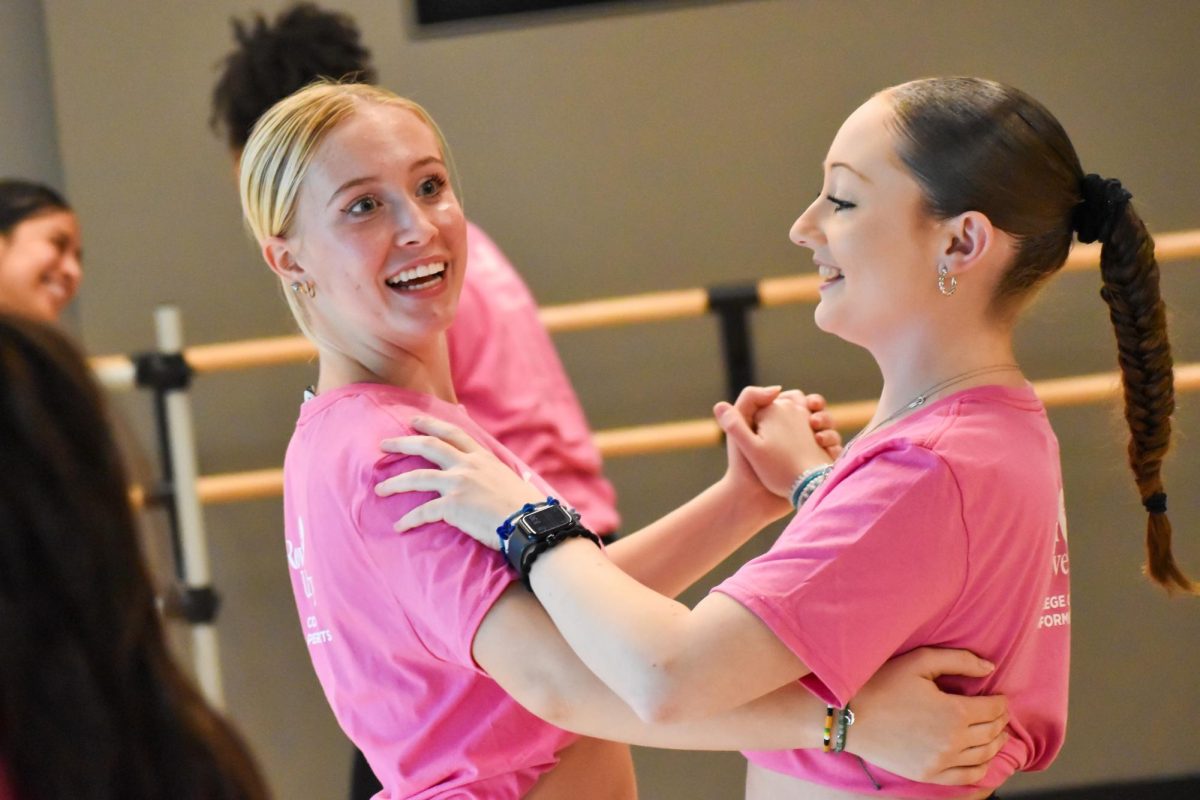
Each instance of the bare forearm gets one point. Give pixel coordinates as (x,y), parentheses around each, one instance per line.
(519,647)
(786,719)
(671,554)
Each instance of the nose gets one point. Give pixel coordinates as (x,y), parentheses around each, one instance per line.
(806,231)
(414,228)
(72,265)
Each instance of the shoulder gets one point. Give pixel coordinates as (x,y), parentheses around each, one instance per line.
(351,414)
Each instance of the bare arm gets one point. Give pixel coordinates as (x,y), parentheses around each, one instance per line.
(904,723)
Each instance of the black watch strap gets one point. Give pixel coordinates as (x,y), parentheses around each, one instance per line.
(527,542)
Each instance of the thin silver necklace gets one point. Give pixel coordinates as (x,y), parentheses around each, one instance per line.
(924,396)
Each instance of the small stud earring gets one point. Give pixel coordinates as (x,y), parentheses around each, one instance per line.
(943,271)
(308,287)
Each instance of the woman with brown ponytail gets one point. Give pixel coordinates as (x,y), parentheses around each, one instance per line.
(946,203)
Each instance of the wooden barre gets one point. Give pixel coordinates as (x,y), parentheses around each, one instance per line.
(117,371)
(642,439)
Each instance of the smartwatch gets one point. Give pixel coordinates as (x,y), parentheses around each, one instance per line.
(536,531)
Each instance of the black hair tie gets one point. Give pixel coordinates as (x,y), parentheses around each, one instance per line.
(1156,503)
(1103,202)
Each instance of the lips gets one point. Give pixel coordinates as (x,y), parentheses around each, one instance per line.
(422,276)
(829,273)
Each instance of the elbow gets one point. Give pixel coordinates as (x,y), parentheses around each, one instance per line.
(659,697)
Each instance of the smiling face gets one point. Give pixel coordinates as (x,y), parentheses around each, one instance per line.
(380,233)
(40,267)
(873,241)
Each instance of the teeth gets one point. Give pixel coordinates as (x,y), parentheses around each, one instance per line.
(416,273)
(827,272)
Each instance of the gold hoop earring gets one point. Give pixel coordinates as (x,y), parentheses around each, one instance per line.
(943,271)
(308,287)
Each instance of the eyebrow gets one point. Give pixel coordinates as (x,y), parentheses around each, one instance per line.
(424,162)
(852,169)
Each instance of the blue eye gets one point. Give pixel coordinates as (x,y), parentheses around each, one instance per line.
(363,205)
(431,186)
(839,205)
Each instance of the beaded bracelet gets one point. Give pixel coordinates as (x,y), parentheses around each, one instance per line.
(827,738)
(845,720)
(506,528)
(807,483)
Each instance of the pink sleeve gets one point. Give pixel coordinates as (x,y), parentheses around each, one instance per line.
(509,376)
(866,572)
(444,581)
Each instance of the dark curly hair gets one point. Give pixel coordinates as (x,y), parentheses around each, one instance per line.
(271,61)
(92,706)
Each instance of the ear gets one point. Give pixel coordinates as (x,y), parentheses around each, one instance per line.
(277,252)
(969,240)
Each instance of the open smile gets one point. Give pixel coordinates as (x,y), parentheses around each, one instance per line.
(424,276)
(829,274)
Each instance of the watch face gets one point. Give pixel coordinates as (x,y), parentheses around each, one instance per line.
(547,520)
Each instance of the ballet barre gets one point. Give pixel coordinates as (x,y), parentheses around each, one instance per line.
(231,487)
(118,372)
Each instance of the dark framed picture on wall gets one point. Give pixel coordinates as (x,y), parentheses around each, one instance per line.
(430,12)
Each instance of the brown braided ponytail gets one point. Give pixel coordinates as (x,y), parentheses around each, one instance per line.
(1130,274)
(978,145)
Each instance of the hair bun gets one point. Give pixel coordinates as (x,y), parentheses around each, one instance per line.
(1103,202)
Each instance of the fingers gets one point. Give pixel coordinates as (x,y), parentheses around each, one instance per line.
(445,431)
(820,420)
(418,480)
(985,710)
(980,755)
(936,661)
(983,732)
(431,449)
(752,398)
(815,402)
(734,424)
(433,511)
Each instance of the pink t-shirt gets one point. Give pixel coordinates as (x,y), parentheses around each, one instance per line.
(389,618)
(508,375)
(945,529)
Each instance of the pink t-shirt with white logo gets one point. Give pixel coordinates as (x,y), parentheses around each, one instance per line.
(508,375)
(944,529)
(389,618)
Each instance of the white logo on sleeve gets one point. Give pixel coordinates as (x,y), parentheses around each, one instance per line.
(295,557)
(1056,608)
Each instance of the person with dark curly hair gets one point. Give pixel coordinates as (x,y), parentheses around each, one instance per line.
(92,706)
(41,259)
(946,204)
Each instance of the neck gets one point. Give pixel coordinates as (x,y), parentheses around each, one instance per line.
(920,364)
(426,370)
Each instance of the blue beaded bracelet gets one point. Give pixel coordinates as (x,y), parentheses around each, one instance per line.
(506,528)
(807,483)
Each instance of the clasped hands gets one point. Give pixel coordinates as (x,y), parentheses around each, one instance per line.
(772,436)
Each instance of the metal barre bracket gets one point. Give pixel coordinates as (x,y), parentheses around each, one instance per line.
(732,303)
(162,372)
(196,604)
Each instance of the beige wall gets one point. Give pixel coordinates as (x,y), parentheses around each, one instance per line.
(616,153)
